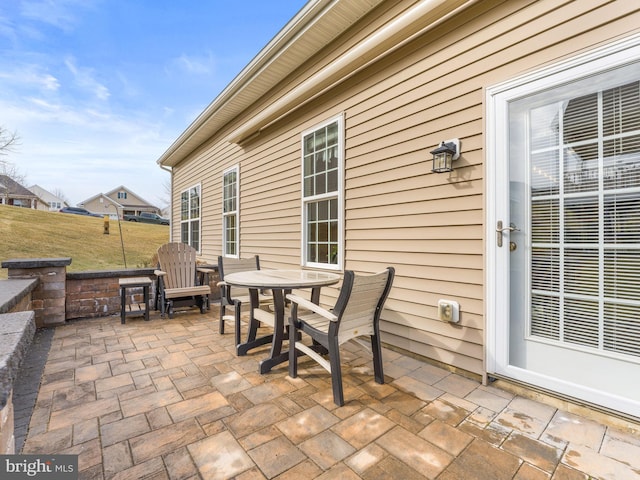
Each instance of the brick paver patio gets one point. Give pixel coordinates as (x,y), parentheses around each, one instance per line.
(169,399)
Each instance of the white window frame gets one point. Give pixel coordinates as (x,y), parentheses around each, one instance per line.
(189,220)
(338,195)
(232,213)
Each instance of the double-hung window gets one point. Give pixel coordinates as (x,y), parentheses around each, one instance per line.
(322,194)
(230,212)
(190,217)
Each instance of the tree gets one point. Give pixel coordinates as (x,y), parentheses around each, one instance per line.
(8,140)
(10,170)
(60,194)
(166,197)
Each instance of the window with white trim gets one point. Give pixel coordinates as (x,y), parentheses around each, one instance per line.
(322,194)
(230,202)
(190,217)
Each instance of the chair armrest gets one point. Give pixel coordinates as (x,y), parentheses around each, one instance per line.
(221,284)
(207,270)
(159,273)
(304,303)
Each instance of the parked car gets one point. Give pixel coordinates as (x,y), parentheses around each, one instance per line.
(146,217)
(79,211)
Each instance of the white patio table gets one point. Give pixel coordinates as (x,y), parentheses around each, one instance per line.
(279,282)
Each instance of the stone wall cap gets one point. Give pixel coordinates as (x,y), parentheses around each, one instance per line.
(88,274)
(16,334)
(36,262)
(13,290)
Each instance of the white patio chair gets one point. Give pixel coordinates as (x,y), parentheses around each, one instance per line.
(178,279)
(356,313)
(233,296)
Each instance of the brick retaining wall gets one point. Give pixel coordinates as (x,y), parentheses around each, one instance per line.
(97,294)
(48,298)
(59,295)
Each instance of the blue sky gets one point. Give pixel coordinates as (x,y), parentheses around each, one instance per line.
(97,90)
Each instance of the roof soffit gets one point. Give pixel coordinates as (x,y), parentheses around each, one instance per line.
(317,24)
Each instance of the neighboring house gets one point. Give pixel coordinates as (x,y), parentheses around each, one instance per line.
(119,201)
(12,193)
(54,203)
(318,156)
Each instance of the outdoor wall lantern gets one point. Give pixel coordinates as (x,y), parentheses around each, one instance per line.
(444,155)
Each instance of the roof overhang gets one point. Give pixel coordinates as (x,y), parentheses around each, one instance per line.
(317,24)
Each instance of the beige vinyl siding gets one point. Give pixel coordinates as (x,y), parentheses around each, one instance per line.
(385,127)
(97,207)
(429,226)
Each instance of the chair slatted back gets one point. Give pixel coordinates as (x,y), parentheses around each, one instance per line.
(228,265)
(178,260)
(360,307)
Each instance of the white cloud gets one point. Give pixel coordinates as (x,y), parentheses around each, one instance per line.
(25,76)
(194,65)
(49,82)
(84,78)
(85,150)
(59,13)
(6,28)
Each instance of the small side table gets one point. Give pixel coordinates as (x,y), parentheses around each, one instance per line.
(205,272)
(134,282)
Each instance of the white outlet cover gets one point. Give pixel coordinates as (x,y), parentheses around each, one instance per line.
(453,309)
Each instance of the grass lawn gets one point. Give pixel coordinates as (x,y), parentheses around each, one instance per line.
(26,233)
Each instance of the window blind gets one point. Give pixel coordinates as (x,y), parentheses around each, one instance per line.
(584,157)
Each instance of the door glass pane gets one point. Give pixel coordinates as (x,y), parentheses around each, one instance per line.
(545,220)
(621,328)
(621,269)
(545,269)
(621,109)
(545,172)
(580,119)
(545,320)
(581,271)
(622,218)
(581,168)
(621,162)
(581,220)
(584,261)
(582,322)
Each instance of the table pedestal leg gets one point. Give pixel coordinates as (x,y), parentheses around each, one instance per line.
(276,355)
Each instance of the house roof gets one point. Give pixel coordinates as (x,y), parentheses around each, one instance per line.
(8,186)
(103,196)
(45,194)
(115,202)
(317,24)
(128,190)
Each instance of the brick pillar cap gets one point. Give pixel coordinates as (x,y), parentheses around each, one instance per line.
(36,262)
